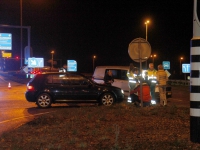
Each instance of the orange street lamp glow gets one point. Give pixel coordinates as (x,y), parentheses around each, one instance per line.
(146,23)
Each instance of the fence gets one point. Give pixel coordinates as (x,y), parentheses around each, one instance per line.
(179,82)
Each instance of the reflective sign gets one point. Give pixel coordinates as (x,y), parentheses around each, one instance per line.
(8,55)
(5,41)
(71,65)
(186,68)
(35,62)
(166,65)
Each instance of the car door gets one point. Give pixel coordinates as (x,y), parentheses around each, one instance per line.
(83,89)
(59,86)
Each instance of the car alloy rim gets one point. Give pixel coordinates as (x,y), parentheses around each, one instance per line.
(107,100)
(44,100)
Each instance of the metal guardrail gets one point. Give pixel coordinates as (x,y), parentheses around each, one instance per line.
(179,82)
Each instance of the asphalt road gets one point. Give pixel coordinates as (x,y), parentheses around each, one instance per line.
(14,109)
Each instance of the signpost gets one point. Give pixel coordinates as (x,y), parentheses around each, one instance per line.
(139,50)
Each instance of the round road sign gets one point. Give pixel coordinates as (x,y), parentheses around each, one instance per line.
(139,50)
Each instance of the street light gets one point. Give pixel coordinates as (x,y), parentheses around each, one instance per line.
(153,56)
(52,52)
(181,58)
(21,28)
(146,23)
(93,61)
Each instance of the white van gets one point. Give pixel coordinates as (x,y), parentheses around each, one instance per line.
(119,74)
(121,79)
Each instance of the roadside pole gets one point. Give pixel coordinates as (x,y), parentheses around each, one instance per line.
(194,79)
(139,51)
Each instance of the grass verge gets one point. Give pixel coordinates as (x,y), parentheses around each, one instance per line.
(121,126)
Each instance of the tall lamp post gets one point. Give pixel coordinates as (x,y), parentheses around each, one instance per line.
(181,58)
(153,56)
(52,52)
(93,61)
(146,23)
(21,28)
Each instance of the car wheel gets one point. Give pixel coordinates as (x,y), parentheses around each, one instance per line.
(107,99)
(44,100)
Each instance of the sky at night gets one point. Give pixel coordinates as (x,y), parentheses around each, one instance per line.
(79,29)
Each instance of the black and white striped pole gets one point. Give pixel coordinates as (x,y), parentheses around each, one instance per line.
(195,78)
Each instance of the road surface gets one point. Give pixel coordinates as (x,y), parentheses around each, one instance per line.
(14,109)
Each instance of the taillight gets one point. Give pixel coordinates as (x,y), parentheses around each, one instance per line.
(30,88)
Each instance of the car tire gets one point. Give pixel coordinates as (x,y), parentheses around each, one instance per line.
(107,99)
(44,100)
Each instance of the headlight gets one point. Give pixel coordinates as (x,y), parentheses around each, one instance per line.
(122,91)
(153,102)
(129,100)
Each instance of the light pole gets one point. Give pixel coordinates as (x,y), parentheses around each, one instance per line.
(153,56)
(52,52)
(181,58)
(93,61)
(21,28)
(146,23)
(146,61)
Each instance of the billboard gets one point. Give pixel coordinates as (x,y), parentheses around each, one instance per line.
(5,41)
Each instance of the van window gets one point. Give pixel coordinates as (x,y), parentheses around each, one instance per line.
(124,75)
(118,74)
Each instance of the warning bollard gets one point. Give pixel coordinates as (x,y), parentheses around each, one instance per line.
(9,85)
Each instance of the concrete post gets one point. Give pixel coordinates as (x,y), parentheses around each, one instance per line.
(195,79)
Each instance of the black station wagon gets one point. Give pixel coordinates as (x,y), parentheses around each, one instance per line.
(58,87)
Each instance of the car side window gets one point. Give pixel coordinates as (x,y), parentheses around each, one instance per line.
(57,79)
(78,80)
(49,79)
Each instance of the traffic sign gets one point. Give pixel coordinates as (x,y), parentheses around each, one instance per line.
(166,65)
(35,62)
(71,65)
(7,55)
(186,68)
(5,41)
(139,50)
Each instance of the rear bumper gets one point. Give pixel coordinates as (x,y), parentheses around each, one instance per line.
(30,96)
